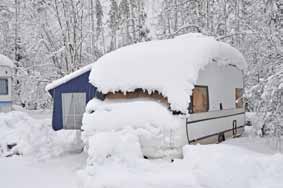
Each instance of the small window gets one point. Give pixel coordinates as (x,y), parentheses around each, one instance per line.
(3,86)
(200,101)
(239,97)
(73,107)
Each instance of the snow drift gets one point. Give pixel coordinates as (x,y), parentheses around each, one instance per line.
(170,67)
(160,133)
(121,146)
(210,166)
(22,135)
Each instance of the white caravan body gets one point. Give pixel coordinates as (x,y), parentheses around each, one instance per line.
(224,118)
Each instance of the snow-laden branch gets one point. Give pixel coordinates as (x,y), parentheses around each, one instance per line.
(234,34)
(186,26)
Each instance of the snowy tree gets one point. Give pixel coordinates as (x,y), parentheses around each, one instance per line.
(113,23)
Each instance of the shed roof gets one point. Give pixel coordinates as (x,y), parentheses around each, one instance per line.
(170,67)
(5,61)
(68,77)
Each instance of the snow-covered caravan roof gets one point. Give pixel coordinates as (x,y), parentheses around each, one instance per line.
(5,61)
(170,67)
(68,77)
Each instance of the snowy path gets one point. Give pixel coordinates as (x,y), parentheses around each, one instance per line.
(61,172)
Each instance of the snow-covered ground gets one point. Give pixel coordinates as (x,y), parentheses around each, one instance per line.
(246,162)
(21,172)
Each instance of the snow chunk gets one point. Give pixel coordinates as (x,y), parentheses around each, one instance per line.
(170,67)
(5,61)
(122,146)
(68,77)
(160,133)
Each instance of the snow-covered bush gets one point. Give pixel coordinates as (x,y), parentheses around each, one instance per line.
(267,99)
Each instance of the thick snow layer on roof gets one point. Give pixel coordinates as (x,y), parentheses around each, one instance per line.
(170,67)
(5,61)
(68,77)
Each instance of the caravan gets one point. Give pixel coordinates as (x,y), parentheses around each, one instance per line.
(171,92)
(196,78)
(6,66)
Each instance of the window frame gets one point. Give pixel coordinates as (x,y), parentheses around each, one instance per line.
(7,86)
(241,98)
(191,105)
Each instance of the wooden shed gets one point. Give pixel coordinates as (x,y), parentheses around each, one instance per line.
(70,95)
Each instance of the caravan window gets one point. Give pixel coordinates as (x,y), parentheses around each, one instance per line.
(239,97)
(3,86)
(73,107)
(200,101)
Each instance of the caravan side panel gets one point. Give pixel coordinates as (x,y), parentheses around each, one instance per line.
(222,115)
(210,124)
(222,82)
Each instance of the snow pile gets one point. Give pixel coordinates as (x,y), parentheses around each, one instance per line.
(22,135)
(207,166)
(122,146)
(5,61)
(68,77)
(170,67)
(160,133)
(235,167)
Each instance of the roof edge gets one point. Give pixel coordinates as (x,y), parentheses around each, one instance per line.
(68,77)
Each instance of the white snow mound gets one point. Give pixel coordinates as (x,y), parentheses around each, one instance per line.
(22,135)
(160,133)
(5,61)
(122,146)
(170,66)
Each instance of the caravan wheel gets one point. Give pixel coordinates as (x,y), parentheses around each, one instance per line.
(221,137)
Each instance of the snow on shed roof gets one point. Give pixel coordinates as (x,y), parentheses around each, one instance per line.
(68,77)
(5,61)
(170,66)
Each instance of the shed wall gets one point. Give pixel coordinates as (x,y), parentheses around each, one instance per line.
(78,84)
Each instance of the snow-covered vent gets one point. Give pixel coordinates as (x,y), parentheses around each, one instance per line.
(170,67)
